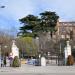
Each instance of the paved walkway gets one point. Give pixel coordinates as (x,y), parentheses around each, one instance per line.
(39,69)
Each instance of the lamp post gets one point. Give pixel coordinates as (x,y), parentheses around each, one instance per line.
(0,50)
(1,53)
(39,52)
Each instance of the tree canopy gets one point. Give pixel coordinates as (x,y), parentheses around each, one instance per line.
(46,22)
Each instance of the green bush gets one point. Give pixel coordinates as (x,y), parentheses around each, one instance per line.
(16,62)
(70,60)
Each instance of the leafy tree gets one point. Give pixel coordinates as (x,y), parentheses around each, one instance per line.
(39,26)
(30,22)
(27,46)
(49,21)
(33,25)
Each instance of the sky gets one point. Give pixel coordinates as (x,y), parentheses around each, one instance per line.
(17,9)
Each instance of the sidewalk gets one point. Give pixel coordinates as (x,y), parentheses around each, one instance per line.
(39,69)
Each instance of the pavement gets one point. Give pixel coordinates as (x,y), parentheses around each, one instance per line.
(39,69)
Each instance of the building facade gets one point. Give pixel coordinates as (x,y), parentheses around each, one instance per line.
(66,30)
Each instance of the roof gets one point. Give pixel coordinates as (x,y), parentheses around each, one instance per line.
(72,23)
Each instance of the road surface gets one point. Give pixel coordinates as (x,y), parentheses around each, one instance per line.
(38,70)
(37,74)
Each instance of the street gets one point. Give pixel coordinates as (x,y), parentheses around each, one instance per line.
(37,74)
(38,70)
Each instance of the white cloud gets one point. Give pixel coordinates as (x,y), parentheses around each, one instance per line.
(64,8)
(16,9)
(19,8)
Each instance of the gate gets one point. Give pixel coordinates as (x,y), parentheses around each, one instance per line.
(55,60)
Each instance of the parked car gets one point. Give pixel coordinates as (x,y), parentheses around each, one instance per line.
(37,63)
(33,62)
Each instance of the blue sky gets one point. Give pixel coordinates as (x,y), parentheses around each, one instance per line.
(16,9)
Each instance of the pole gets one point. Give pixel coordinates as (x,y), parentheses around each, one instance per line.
(60,48)
(0,54)
(59,55)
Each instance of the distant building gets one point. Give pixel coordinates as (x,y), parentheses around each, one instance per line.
(63,30)
(66,30)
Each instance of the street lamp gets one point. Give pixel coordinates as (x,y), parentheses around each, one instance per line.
(1,53)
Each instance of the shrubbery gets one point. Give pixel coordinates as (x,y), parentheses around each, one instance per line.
(16,62)
(70,60)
